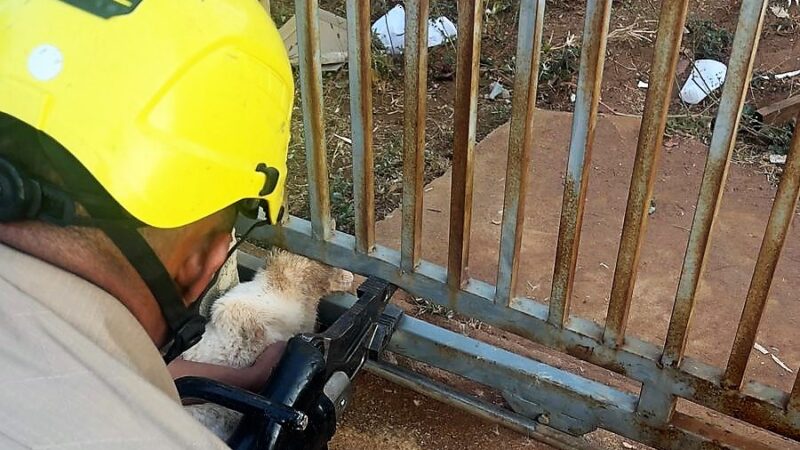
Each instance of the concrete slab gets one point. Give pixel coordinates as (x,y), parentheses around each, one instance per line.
(735,243)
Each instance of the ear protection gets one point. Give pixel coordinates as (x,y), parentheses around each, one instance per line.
(25,198)
(20,197)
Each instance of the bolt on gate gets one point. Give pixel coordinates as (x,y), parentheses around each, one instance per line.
(547,401)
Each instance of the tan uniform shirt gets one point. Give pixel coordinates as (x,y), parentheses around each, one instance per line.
(77,371)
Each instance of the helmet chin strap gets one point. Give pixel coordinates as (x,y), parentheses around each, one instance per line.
(186,325)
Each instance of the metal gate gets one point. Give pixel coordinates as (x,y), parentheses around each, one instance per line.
(553,397)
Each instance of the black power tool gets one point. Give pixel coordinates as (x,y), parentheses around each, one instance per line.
(311,385)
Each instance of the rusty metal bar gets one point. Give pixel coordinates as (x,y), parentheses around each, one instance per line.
(780,218)
(654,119)
(307,12)
(416,90)
(470,24)
(584,120)
(359,43)
(520,145)
(723,140)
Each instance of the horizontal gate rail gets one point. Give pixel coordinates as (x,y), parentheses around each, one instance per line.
(575,403)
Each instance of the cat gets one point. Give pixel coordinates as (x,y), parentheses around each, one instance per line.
(279,303)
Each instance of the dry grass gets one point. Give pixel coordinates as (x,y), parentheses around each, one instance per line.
(632,34)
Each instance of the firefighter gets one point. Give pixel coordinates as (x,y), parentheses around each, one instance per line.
(131,134)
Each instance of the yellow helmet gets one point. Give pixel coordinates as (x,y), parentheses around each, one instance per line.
(179,108)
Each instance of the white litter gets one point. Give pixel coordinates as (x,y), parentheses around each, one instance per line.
(572,98)
(346,140)
(706,77)
(780,12)
(780,363)
(390,29)
(626,445)
(643,85)
(497,90)
(793,73)
(761,348)
(777,159)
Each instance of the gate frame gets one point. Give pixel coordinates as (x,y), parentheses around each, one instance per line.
(564,400)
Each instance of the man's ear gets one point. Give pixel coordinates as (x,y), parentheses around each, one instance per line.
(200,265)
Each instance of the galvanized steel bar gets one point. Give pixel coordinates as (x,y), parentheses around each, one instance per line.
(699,382)
(359,46)
(584,120)
(470,24)
(780,218)
(416,92)
(654,119)
(307,12)
(520,145)
(737,82)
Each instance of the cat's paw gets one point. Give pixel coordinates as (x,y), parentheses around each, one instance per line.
(341,281)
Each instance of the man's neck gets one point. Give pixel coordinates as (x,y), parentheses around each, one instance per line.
(96,261)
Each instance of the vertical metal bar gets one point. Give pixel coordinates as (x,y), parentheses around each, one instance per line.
(359,44)
(470,24)
(416,90)
(737,82)
(265,4)
(656,405)
(520,145)
(584,120)
(794,398)
(780,218)
(307,12)
(654,119)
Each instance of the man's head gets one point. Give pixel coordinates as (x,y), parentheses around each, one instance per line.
(175,111)
(191,253)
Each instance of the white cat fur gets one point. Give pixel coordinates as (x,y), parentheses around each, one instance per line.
(280,302)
